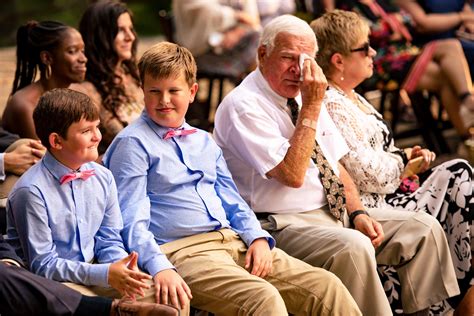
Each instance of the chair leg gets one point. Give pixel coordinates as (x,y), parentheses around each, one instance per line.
(207,110)
(221,90)
(383,98)
(395,108)
(432,135)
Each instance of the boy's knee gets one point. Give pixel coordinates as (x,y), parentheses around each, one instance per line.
(265,298)
(324,282)
(327,296)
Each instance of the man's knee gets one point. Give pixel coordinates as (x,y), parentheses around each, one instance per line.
(7,274)
(425,223)
(357,247)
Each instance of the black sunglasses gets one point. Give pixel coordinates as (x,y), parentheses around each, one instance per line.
(364,48)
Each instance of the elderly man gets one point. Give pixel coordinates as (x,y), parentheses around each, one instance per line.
(283,154)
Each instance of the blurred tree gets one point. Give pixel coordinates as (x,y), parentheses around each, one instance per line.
(14,13)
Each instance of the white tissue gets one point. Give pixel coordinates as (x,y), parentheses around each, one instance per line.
(303,57)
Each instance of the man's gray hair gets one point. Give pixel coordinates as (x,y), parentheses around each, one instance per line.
(286,24)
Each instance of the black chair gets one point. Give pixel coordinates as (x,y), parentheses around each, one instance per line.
(3,220)
(430,128)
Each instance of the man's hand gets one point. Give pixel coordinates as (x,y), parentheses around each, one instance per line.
(125,277)
(23,156)
(259,258)
(369,227)
(232,37)
(171,289)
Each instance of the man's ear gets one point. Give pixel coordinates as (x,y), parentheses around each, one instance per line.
(261,53)
(337,61)
(55,141)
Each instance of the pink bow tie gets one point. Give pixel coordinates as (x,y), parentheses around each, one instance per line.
(84,175)
(179,132)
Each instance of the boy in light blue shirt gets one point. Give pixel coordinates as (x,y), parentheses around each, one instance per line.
(63,213)
(184,215)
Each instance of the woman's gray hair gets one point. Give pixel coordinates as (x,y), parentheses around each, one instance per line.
(286,24)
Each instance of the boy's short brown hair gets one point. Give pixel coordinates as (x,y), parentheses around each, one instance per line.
(58,109)
(165,59)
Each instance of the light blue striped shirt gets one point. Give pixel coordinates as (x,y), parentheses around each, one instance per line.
(174,188)
(59,229)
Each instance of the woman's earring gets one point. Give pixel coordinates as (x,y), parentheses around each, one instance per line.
(342,78)
(47,71)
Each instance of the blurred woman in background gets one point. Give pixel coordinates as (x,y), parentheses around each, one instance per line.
(112,79)
(54,50)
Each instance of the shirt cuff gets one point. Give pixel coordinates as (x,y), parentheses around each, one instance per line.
(249,237)
(2,167)
(157,264)
(99,274)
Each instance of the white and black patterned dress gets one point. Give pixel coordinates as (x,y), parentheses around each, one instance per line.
(375,164)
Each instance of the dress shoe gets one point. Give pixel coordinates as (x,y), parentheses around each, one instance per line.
(129,307)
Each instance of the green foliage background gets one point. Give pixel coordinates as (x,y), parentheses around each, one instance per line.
(14,13)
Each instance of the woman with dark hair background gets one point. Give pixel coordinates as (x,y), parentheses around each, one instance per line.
(57,52)
(112,76)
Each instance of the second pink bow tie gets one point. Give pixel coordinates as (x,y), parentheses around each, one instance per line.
(179,132)
(84,175)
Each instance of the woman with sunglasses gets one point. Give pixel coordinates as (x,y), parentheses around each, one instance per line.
(439,66)
(384,174)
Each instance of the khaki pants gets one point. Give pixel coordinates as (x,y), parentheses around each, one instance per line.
(212,264)
(414,244)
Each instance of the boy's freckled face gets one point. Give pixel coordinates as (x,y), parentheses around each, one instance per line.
(80,145)
(167,99)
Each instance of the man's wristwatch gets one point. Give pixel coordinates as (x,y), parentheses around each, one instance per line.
(355,213)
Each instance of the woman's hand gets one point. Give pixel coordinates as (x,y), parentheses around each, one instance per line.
(428,157)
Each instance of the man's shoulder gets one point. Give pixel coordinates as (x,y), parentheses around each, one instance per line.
(243,98)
